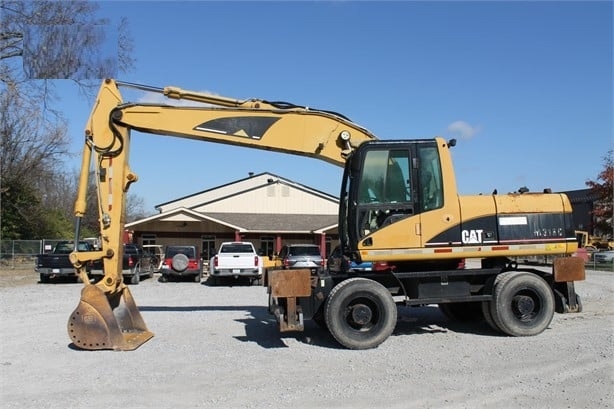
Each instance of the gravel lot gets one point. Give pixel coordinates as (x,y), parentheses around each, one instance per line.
(217,347)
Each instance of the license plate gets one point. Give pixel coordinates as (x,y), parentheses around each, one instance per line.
(236,271)
(55,270)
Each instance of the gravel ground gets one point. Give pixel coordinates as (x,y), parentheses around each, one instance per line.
(217,347)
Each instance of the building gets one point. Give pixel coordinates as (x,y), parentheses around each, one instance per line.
(266,209)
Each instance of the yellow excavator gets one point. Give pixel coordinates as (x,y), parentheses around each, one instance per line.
(399,205)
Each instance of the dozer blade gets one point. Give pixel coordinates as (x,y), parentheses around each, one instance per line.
(103,321)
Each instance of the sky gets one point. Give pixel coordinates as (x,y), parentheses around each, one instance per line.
(525,87)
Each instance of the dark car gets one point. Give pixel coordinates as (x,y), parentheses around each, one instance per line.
(136,263)
(181,261)
(300,256)
(337,263)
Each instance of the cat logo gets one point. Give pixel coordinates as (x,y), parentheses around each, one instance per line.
(472,236)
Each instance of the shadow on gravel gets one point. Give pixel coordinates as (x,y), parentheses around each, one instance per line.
(430,320)
(262,328)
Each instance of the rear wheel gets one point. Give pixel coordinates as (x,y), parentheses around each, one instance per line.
(360,313)
(522,305)
(136,277)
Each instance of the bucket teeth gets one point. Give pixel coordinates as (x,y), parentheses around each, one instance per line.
(103,321)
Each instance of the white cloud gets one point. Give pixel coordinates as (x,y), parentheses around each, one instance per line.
(463,130)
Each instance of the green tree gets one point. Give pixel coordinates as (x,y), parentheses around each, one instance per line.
(603,187)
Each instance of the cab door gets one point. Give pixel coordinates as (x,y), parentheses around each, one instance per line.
(437,201)
(383,198)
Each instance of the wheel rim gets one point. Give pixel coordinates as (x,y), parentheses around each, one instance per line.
(362,314)
(526,305)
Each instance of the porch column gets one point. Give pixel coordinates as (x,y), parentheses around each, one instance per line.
(277,243)
(323,245)
(237,235)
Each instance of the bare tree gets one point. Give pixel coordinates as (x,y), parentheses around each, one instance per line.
(60,39)
(45,40)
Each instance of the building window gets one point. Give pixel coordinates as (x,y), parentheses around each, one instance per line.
(149,239)
(328,245)
(208,246)
(267,245)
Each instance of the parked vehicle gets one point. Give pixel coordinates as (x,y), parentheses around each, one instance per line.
(338,263)
(181,261)
(156,251)
(236,259)
(604,256)
(300,256)
(57,263)
(136,263)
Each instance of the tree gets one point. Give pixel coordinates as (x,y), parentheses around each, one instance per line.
(604,190)
(45,40)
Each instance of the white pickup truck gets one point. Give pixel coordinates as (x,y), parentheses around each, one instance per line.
(236,259)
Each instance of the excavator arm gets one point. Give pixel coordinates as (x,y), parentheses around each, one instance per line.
(107,316)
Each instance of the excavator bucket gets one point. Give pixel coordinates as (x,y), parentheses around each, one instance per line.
(103,321)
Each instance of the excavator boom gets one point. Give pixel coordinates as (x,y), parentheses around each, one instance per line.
(107,316)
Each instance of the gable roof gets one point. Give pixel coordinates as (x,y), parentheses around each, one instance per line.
(237,188)
(249,222)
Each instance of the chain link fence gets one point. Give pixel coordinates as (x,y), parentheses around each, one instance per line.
(22,253)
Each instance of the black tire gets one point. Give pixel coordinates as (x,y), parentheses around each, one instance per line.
(44,279)
(360,313)
(462,311)
(523,304)
(197,278)
(319,318)
(488,316)
(486,305)
(136,277)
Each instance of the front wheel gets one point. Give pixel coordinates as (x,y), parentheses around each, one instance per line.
(522,304)
(360,313)
(136,277)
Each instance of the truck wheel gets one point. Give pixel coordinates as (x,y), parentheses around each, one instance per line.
(522,305)
(136,277)
(319,319)
(197,278)
(488,316)
(360,313)
(488,288)
(44,279)
(462,311)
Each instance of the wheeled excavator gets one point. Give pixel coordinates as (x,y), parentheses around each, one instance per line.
(398,204)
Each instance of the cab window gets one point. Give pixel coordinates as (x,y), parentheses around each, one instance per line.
(385,177)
